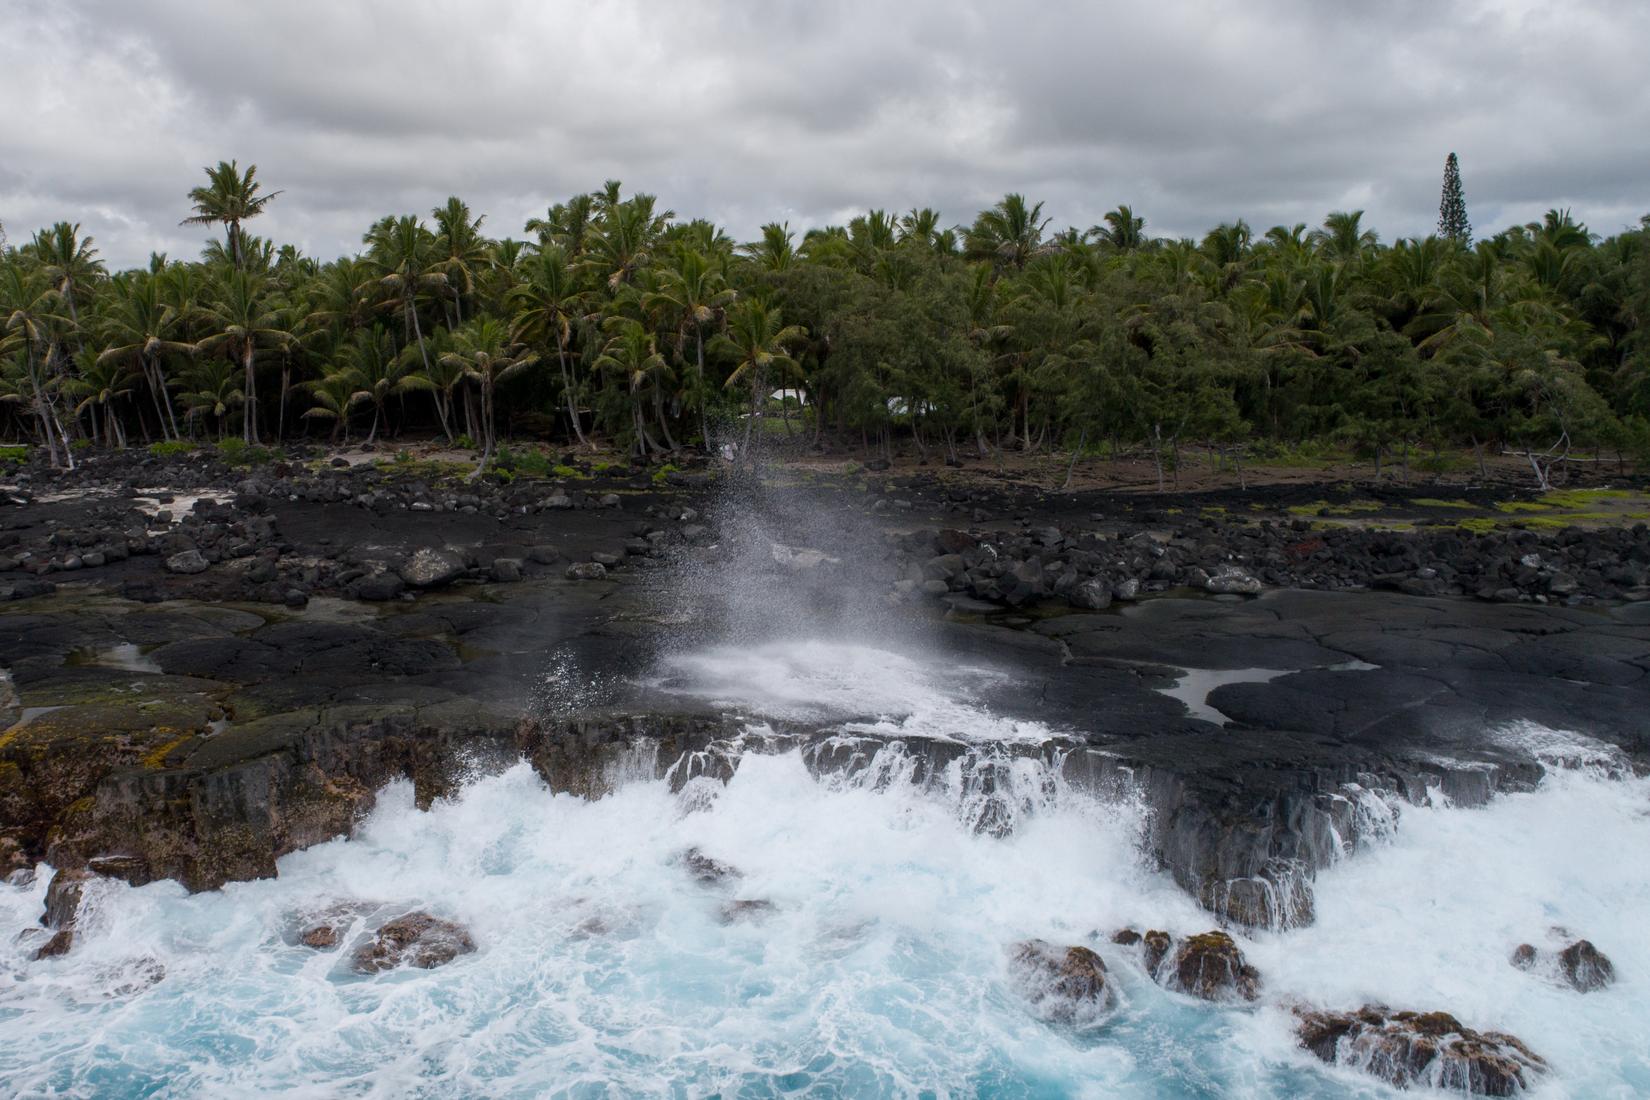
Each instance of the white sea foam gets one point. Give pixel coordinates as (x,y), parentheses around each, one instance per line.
(881,970)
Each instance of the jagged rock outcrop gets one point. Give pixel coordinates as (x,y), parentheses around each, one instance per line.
(1433,1049)
(1063,984)
(416,939)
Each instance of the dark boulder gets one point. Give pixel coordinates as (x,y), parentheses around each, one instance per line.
(416,939)
(1585,967)
(1211,966)
(1156,946)
(586,571)
(186,561)
(378,587)
(1064,984)
(1421,1048)
(63,899)
(707,870)
(430,568)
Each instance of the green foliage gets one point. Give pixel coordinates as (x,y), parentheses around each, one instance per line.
(1284,346)
(565,472)
(171,448)
(13,454)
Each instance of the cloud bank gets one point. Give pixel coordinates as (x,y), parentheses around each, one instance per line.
(1276,111)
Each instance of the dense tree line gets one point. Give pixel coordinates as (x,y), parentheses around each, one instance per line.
(613,317)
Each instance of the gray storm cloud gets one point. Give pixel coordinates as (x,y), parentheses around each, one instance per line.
(1194,113)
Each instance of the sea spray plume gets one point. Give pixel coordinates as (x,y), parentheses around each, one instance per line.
(786,559)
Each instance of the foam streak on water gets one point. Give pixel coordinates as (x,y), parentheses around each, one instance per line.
(605,969)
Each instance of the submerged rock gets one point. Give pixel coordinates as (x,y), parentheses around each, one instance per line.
(63,900)
(416,939)
(1585,967)
(707,870)
(1580,965)
(1064,984)
(187,561)
(1421,1048)
(1127,937)
(746,909)
(1211,966)
(1156,945)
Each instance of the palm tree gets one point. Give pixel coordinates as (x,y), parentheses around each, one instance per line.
(1123,231)
(209,389)
(99,384)
(379,371)
(1343,238)
(70,264)
(546,306)
(141,327)
(1008,234)
(28,323)
(243,319)
(334,394)
(230,198)
(567,225)
(758,343)
(774,252)
(485,351)
(699,296)
(462,249)
(403,254)
(632,354)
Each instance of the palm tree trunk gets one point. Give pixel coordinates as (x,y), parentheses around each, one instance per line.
(249,412)
(567,389)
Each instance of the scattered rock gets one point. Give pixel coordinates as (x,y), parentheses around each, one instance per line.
(506,570)
(1093,595)
(430,568)
(1585,967)
(1230,580)
(416,939)
(707,870)
(746,909)
(1156,946)
(1064,984)
(1211,966)
(187,561)
(1420,1048)
(378,587)
(1126,937)
(586,571)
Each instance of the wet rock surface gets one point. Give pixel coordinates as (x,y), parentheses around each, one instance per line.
(1210,966)
(418,940)
(1063,984)
(1409,1049)
(157,731)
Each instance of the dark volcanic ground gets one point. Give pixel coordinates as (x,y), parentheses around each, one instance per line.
(192,696)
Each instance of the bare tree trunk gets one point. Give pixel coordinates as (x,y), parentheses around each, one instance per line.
(1082,437)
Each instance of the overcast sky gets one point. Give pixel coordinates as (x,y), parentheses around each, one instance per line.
(1193,111)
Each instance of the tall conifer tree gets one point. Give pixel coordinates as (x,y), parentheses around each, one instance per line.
(1452,207)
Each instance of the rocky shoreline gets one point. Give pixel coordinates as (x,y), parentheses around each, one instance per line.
(193,695)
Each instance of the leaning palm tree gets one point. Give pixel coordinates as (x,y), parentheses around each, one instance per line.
(697,295)
(229,198)
(243,319)
(70,264)
(28,324)
(758,343)
(99,383)
(142,328)
(486,352)
(403,254)
(546,306)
